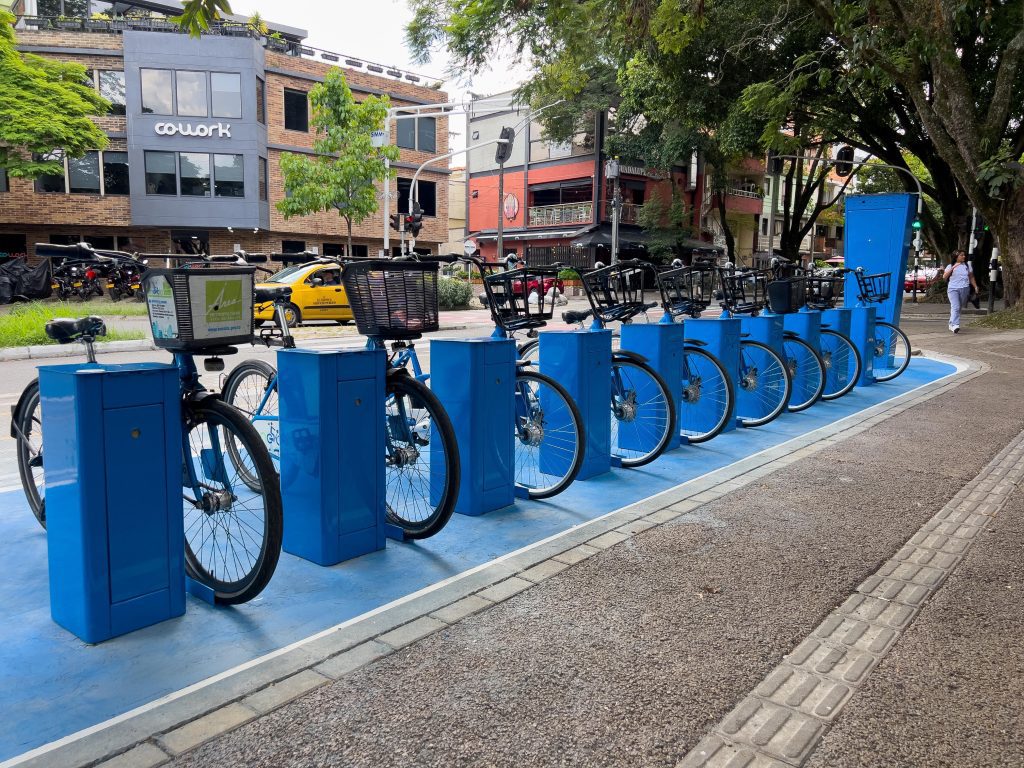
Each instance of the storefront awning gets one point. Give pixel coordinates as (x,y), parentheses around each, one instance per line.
(602,236)
(533,234)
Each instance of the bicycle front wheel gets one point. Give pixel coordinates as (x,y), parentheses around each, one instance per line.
(806,372)
(27,425)
(421,459)
(706,404)
(549,436)
(251,387)
(643,413)
(530,351)
(891,352)
(232,531)
(764,384)
(842,364)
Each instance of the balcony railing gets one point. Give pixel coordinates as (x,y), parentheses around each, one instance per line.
(630,213)
(566,213)
(737,192)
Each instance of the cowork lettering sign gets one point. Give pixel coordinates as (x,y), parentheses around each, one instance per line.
(220,130)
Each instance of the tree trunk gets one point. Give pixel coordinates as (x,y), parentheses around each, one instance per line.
(1010,238)
(730,241)
(348,247)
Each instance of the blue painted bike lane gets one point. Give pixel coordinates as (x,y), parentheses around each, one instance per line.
(53,685)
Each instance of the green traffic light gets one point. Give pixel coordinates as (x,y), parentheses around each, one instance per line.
(916,224)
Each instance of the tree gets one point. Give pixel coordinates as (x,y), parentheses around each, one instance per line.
(44,106)
(346,166)
(665,224)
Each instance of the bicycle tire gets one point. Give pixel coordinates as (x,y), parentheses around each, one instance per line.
(28,422)
(837,351)
(884,350)
(530,351)
(812,382)
(422,488)
(526,436)
(202,526)
(244,390)
(662,425)
(693,393)
(755,351)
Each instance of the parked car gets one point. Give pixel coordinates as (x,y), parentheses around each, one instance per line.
(317,294)
(925,277)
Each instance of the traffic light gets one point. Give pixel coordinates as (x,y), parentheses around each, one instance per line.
(504,152)
(774,163)
(980,225)
(396,222)
(414,220)
(917,224)
(844,161)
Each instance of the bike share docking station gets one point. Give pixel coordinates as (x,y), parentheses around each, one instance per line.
(475,379)
(661,344)
(332,441)
(581,361)
(806,324)
(115,547)
(721,338)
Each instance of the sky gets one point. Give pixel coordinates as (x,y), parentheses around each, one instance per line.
(375,31)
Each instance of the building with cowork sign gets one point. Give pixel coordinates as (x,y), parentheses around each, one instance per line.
(196,130)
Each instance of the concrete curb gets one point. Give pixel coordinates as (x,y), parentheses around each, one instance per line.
(154,733)
(44,351)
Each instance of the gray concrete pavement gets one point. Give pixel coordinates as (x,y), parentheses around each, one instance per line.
(631,656)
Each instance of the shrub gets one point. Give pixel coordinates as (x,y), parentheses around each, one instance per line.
(453,294)
(568,274)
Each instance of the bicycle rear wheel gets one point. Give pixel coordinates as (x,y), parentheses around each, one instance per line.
(251,387)
(806,372)
(530,351)
(707,398)
(643,413)
(549,432)
(232,531)
(842,364)
(891,352)
(421,459)
(27,429)
(764,384)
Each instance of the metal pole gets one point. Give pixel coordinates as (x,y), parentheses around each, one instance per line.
(971,240)
(772,207)
(387,191)
(501,212)
(616,206)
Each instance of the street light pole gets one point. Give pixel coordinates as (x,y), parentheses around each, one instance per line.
(501,210)
(611,172)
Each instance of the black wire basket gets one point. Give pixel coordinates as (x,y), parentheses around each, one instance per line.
(824,292)
(873,288)
(687,290)
(787,295)
(392,299)
(616,292)
(520,298)
(743,293)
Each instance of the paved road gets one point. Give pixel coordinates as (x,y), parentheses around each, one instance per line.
(631,656)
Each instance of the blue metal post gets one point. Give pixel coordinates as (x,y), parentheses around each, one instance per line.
(806,324)
(332,452)
(862,333)
(581,362)
(662,345)
(767,329)
(877,236)
(721,338)
(475,381)
(113,496)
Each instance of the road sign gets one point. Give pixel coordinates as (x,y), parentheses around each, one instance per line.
(378,138)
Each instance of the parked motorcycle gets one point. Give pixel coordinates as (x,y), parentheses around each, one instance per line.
(77,278)
(124,280)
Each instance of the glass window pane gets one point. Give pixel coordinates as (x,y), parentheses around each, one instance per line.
(228,176)
(51,182)
(160,174)
(156,91)
(425,134)
(84,174)
(112,89)
(293,246)
(4,184)
(296,110)
(406,130)
(263,178)
(195,174)
(427,197)
(261,103)
(191,89)
(115,173)
(227,94)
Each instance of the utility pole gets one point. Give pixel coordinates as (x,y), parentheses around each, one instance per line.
(972,241)
(774,171)
(501,156)
(611,172)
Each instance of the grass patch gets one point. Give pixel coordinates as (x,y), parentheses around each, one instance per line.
(1007,319)
(23,324)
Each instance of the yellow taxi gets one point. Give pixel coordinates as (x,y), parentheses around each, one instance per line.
(317,294)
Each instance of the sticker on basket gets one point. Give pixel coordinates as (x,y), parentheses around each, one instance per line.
(221,305)
(163,318)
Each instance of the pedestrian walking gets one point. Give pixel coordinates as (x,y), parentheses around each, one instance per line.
(960,277)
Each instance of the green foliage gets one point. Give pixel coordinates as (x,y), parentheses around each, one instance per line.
(23,324)
(453,293)
(568,274)
(665,223)
(342,175)
(44,106)
(199,14)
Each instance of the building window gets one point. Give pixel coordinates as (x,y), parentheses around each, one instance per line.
(334,249)
(406,134)
(296,110)
(767,186)
(427,196)
(115,173)
(764,227)
(4,184)
(426,134)
(84,174)
(111,85)
(195,174)
(160,173)
(191,91)
(76,9)
(261,100)
(293,246)
(157,98)
(65,239)
(228,176)
(263,178)
(51,182)
(227,94)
